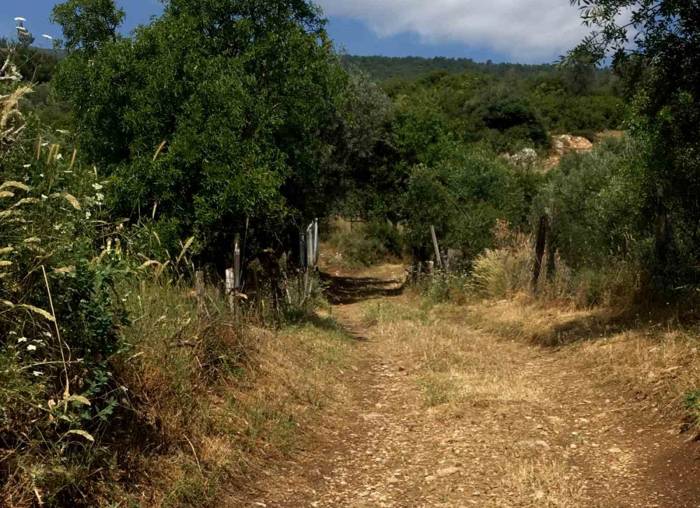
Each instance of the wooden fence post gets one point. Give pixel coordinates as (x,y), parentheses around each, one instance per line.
(438,256)
(540,245)
(199,292)
(551,257)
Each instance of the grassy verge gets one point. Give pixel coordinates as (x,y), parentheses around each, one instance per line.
(650,352)
(200,405)
(652,360)
(224,400)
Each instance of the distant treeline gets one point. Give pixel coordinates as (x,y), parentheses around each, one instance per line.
(383,68)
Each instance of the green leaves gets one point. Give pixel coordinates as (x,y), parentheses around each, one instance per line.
(87,24)
(463,196)
(246,94)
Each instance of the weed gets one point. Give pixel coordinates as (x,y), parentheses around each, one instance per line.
(692,404)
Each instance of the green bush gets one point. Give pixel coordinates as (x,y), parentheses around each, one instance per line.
(366,244)
(596,204)
(251,127)
(692,405)
(462,196)
(61,314)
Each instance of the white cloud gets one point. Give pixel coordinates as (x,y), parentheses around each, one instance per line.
(528,30)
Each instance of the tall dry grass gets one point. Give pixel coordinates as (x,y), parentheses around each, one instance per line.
(507,270)
(646,352)
(213,400)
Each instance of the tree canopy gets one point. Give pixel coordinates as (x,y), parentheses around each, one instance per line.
(246,96)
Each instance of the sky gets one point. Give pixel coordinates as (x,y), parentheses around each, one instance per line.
(526,31)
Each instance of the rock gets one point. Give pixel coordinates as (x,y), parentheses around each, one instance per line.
(448,471)
(542,444)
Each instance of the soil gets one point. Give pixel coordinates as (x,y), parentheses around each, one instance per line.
(573,443)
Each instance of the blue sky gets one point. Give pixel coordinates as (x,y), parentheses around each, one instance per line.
(529,31)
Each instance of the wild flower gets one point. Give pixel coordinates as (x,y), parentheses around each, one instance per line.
(31,347)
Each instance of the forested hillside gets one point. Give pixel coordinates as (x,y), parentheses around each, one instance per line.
(169,329)
(383,68)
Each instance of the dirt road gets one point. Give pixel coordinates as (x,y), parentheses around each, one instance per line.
(444,415)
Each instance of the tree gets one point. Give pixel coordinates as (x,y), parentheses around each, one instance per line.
(659,53)
(87,23)
(246,94)
(462,195)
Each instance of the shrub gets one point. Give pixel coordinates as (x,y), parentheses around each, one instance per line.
(366,244)
(249,124)
(462,197)
(596,204)
(501,272)
(692,405)
(61,315)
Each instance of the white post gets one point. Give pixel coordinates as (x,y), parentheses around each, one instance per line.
(316,250)
(237,265)
(231,288)
(310,259)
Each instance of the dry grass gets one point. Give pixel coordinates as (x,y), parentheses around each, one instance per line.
(214,402)
(655,361)
(480,359)
(456,365)
(468,377)
(540,482)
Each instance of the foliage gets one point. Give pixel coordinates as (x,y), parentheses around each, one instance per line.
(515,110)
(596,205)
(658,53)
(88,23)
(463,196)
(37,66)
(366,244)
(692,404)
(506,269)
(249,123)
(61,314)
(395,69)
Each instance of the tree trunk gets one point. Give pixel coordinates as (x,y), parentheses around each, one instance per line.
(551,258)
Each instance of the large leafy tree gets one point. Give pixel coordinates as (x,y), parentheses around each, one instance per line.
(88,23)
(657,46)
(246,95)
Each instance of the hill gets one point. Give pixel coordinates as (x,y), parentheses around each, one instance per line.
(384,68)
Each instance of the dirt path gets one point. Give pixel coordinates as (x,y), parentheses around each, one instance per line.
(443,415)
